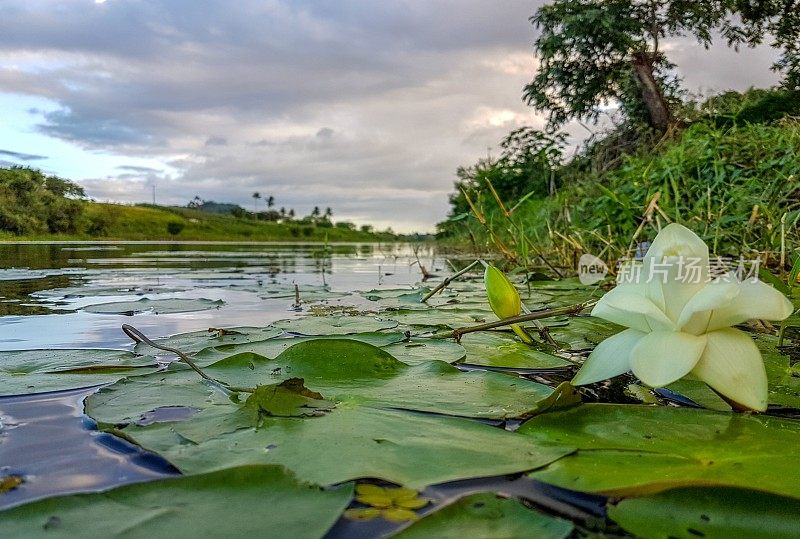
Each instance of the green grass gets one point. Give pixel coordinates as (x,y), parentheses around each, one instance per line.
(121,222)
(737,186)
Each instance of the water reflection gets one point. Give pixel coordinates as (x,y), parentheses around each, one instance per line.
(46,439)
(40,308)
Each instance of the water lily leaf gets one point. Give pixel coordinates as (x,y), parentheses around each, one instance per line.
(419,350)
(74,292)
(487,515)
(501,349)
(450,318)
(308,293)
(289,398)
(35,371)
(362,513)
(343,369)
(636,449)
(245,502)
(155,306)
(581,332)
(721,513)
(783,377)
(334,325)
(271,348)
(398,298)
(351,442)
(198,340)
(699,392)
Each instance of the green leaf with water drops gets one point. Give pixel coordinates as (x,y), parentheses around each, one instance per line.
(246,501)
(714,513)
(335,325)
(35,371)
(635,449)
(195,341)
(502,349)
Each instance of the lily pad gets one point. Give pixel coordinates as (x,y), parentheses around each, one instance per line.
(419,350)
(500,349)
(271,348)
(35,371)
(487,515)
(244,502)
(413,450)
(342,369)
(198,340)
(581,332)
(334,325)
(722,513)
(634,449)
(155,306)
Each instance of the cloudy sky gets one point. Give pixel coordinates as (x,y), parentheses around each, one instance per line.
(361,105)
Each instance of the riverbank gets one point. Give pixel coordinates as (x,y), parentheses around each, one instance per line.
(109,222)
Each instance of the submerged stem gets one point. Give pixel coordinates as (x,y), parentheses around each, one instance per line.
(138,336)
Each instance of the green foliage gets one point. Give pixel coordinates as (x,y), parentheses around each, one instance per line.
(175,227)
(594,51)
(733,176)
(33,203)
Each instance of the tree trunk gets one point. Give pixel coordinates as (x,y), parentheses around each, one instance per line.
(653,99)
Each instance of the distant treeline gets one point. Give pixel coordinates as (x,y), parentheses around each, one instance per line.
(36,205)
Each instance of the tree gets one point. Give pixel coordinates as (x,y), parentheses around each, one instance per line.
(592,52)
(256,196)
(328,213)
(291,213)
(270,201)
(315,212)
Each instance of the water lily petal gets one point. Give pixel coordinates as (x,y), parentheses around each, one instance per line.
(717,294)
(661,357)
(676,240)
(609,358)
(626,305)
(731,364)
(756,300)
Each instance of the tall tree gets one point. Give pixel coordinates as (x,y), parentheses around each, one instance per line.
(256,196)
(270,201)
(592,52)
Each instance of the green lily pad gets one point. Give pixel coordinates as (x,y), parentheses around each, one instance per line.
(74,292)
(343,369)
(350,442)
(35,371)
(635,449)
(581,332)
(419,350)
(339,369)
(271,348)
(487,515)
(722,513)
(783,377)
(453,318)
(155,306)
(398,298)
(501,349)
(243,502)
(198,340)
(335,325)
(289,398)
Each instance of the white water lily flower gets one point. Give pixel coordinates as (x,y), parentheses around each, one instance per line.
(679,323)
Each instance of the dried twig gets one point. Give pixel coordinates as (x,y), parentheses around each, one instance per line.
(448,280)
(538,315)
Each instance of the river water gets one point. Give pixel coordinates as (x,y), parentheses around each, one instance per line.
(47,295)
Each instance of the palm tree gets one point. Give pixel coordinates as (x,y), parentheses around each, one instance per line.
(256,196)
(328,212)
(270,201)
(315,212)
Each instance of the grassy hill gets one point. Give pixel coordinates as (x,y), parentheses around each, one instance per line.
(34,206)
(121,222)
